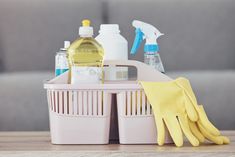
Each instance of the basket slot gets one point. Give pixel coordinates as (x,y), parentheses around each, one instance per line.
(60,102)
(106,100)
(95,103)
(85,103)
(89,103)
(138,95)
(56,101)
(70,102)
(128,112)
(143,102)
(49,100)
(53,100)
(65,102)
(75,102)
(148,108)
(133,104)
(100,105)
(80,106)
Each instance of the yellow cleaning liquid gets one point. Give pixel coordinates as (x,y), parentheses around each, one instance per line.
(85,57)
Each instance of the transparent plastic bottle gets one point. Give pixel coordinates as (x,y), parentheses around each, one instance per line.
(61,62)
(85,57)
(153,59)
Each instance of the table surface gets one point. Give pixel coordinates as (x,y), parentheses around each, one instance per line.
(33,144)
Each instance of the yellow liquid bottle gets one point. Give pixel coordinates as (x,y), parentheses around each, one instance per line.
(85,56)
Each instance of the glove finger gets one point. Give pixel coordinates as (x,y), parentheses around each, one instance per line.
(225,139)
(185,127)
(160,131)
(206,123)
(209,136)
(195,131)
(174,130)
(190,99)
(190,109)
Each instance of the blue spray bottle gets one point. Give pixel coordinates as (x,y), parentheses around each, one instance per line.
(151,48)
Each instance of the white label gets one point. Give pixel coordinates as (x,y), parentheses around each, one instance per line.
(116,73)
(85,75)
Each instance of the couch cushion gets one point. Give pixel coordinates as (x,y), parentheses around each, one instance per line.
(32,31)
(23,104)
(216,91)
(199,34)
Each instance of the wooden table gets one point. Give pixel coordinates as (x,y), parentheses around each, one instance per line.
(35,144)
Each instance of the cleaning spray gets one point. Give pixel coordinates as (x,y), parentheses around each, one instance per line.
(151,48)
(85,57)
(61,62)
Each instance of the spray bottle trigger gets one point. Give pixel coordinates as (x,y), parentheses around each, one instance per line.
(138,39)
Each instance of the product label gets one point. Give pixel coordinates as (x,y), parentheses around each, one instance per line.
(116,73)
(60,71)
(86,75)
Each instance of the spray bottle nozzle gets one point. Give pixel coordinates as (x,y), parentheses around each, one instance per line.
(148,32)
(139,35)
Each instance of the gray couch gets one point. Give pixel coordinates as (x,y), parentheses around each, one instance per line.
(199,43)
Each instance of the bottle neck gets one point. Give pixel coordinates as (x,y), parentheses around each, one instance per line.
(150,53)
(86,36)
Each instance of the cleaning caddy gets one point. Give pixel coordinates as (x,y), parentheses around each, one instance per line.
(151,109)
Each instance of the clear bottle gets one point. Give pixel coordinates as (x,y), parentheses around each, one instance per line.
(153,59)
(85,57)
(61,62)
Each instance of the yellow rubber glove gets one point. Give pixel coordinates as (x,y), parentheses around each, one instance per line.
(202,133)
(171,107)
(203,125)
(200,126)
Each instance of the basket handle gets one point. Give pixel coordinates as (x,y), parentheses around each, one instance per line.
(144,72)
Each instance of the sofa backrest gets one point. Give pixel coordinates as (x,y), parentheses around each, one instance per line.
(199,34)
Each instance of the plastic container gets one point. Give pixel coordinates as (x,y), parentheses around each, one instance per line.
(61,61)
(78,115)
(115,48)
(69,124)
(85,56)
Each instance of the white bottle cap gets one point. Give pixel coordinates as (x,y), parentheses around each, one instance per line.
(86,30)
(66,46)
(109,28)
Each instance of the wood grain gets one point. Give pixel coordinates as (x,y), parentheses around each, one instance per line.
(38,144)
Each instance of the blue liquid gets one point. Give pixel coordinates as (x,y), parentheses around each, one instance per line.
(60,71)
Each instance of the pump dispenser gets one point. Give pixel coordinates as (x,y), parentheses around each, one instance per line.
(151,48)
(85,57)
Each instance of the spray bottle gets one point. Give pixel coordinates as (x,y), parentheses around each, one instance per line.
(151,48)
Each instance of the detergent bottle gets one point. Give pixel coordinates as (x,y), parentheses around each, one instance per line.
(85,56)
(151,48)
(61,62)
(115,48)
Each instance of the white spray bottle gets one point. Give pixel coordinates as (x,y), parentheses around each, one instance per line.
(151,48)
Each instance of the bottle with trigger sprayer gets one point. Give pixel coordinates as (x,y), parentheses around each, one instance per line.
(151,48)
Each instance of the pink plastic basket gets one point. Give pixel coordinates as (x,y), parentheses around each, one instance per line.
(80,114)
